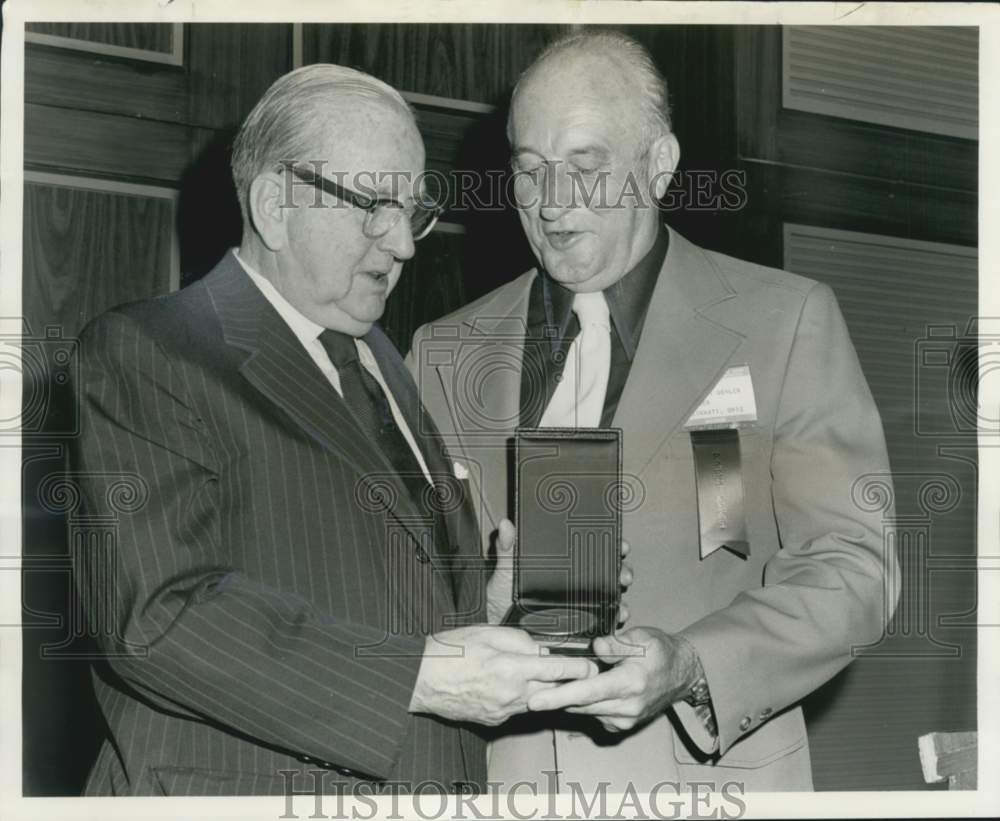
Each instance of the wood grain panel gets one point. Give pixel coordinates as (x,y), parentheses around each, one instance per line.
(86,251)
(837,144)
(862,735)
(446,133)
(157,37)
(802,195)
(231,66)
(430,287)
(757,53)
(774,134)
(468,62)
(917,77)
(77,79)
(697,62)
(103,144)
(875,748)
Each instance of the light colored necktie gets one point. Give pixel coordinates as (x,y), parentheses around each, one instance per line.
(578,401)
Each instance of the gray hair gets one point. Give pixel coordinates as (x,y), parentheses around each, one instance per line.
(650,87)
(285,124)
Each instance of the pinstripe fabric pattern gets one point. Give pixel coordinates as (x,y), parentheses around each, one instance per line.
(271,595)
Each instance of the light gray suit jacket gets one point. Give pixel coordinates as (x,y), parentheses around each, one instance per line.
(769,629)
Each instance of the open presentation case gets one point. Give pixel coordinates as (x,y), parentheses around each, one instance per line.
(567,561)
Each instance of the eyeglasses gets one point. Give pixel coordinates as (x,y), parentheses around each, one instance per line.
(382,213)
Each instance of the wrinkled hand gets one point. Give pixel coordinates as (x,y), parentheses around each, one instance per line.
(652,669)
(500,589)
(487,674)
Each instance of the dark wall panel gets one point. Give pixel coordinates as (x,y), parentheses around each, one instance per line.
(148,36)
(86,251)
(230,66)
(835,173)
(430,287)
(470,62)
(86,142)
(64,78)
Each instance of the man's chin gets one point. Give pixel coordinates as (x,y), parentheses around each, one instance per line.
(565,271)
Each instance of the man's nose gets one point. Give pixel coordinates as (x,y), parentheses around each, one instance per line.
(398,240)
(557,194)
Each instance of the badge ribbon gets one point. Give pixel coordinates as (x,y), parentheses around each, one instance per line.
(715,441)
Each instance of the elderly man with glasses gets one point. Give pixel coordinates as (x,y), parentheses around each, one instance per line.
(295,600)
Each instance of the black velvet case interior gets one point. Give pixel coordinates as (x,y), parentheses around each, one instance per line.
(567,560)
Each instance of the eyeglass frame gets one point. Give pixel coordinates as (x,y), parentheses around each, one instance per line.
(367,204)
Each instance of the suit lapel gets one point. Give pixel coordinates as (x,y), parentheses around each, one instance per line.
(681,354)
(460,517)
(483,389)
(277,365)
(421,425)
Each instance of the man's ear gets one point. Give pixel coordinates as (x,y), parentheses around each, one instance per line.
(663,158)
(269,212)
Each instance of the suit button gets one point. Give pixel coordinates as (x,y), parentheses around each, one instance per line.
(765,713)
(745,723)
(422,555)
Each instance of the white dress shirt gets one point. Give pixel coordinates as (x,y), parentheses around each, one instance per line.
(307,332)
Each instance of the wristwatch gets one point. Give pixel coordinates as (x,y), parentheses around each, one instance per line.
(698,695)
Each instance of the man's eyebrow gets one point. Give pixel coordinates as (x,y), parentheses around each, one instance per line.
(597,150)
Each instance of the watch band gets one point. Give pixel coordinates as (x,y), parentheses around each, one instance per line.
(698,695)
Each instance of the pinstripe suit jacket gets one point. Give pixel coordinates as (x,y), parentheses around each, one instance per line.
(264,605)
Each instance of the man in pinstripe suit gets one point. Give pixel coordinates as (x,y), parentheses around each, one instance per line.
(296,597)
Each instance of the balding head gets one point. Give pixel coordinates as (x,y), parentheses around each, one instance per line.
(299,112)
(613,67)
(592,151)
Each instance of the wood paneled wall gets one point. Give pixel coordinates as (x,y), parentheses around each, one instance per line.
(128,136)
(835,173)
(478,63)
(126,129)
(145,36)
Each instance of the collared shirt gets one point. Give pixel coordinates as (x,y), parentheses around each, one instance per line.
(307,332)
(552,326)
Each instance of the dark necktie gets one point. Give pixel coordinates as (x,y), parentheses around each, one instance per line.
(368,403)
(370,407)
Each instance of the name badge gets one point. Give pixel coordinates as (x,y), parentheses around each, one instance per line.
(715,442)
(730,402)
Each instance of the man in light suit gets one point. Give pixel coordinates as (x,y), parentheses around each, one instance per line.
(730,640)
(294,600)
